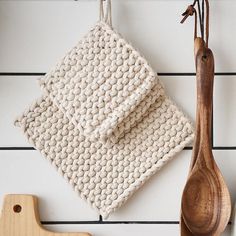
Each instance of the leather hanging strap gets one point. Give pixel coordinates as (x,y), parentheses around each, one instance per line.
(191,10)
(207,21)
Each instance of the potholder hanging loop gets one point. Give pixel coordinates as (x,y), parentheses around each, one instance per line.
(105,15)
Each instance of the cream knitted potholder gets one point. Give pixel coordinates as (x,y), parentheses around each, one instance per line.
(107,176)
(100,81)
(129,110)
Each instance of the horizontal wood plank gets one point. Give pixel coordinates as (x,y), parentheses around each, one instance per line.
(225,111)
(131,230)
(158,200)
(36,34)
(18,92)
(26,172)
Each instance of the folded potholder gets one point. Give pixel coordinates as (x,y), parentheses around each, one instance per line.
(105,121)
(100,81)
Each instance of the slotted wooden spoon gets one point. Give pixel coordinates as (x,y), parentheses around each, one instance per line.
(206,204)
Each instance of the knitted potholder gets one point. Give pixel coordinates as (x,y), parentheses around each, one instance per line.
(107,176)
(100,81)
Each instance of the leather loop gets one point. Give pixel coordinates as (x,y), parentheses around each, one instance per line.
(191,10)
(207,21)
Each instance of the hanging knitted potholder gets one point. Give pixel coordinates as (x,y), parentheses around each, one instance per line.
(100,81)
(105,121)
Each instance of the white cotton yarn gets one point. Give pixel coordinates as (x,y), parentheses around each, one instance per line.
(104,120)
(100,82)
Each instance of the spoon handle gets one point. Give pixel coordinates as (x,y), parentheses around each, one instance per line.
(205,83)
(198,45)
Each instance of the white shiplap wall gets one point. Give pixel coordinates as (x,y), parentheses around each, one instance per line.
(35,34)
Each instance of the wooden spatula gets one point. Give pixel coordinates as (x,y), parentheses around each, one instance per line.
(20,217)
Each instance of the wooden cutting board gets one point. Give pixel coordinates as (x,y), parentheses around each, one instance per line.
(20,217)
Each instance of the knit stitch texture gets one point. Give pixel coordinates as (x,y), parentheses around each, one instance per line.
(106,176)
(100,82)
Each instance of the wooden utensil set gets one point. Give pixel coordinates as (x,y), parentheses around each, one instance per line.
(206,204)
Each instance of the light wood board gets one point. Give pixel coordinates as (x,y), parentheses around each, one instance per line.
(20,218)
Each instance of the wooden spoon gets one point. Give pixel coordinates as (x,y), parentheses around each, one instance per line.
(206,204)
(198,44)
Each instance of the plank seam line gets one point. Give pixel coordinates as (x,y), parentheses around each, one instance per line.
(111,222)
(160,74)
(33,149)
(186,148)
(107,222)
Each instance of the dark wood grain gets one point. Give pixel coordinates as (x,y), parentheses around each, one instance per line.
(206,204)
